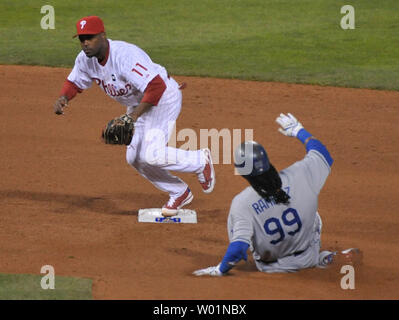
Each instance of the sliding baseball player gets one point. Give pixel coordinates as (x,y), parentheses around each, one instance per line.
(276,216)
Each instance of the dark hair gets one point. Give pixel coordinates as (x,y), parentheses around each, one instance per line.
(83,37)
(268,186)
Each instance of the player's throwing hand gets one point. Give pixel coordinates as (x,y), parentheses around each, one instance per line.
(290,126)
(60,104)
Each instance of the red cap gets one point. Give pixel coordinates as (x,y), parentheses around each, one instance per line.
(89,25)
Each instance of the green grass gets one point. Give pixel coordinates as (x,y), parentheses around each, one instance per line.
(27,287)
(297,41)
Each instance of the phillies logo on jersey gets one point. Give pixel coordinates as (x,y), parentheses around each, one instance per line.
(111,90)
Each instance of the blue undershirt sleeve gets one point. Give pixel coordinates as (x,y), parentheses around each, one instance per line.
(314,144)
(236,251)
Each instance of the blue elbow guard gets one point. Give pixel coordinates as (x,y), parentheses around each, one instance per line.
(236,251)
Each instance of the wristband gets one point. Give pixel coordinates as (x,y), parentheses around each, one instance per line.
(303,135)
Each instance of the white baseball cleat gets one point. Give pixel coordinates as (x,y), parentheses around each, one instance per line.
(207,177)
(174,204)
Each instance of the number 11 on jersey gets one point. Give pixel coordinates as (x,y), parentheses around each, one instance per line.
(139,66)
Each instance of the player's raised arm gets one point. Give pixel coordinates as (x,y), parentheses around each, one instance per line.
(291,127)
(318,161)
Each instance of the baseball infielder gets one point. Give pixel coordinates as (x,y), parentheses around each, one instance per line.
(153,99)
(276,217)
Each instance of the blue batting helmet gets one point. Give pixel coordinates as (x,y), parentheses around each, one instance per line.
(250,159)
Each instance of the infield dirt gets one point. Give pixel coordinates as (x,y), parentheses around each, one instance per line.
(70,201)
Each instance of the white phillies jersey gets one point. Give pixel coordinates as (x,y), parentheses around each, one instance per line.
(125,75)
(275,231)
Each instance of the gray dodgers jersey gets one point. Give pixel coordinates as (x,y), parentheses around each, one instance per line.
(275,231)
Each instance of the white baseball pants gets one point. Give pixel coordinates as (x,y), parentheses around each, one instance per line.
(148,152)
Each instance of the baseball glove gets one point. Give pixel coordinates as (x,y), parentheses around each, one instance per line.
(119,130)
